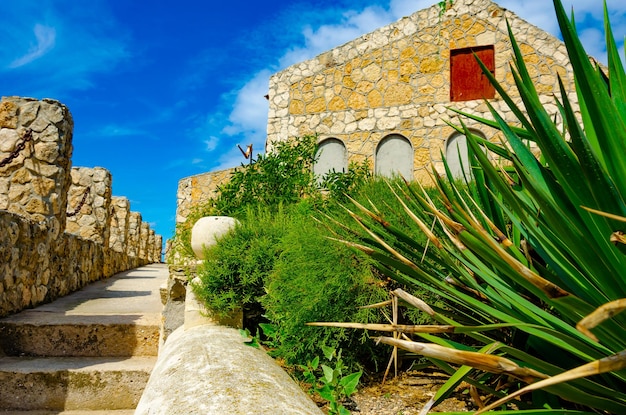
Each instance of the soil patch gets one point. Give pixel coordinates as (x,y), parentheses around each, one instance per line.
(406,395)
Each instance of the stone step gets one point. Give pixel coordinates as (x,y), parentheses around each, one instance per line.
(72,383)
(38,334)
(119,316)
(110,412)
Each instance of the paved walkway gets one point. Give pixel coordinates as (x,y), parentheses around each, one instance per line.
(110,326)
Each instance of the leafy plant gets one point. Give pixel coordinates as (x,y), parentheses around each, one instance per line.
(280,178)
(531,260)
(330,382)
(444,5)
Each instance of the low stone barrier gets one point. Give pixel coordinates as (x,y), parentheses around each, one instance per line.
(206,368)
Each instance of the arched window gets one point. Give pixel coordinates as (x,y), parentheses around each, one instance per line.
(456,154)
(394,155)
(331,156)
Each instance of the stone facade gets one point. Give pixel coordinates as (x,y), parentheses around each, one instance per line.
(134,230)
(395,83)
(196,189)
(45,252)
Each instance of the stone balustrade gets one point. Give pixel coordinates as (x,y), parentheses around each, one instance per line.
(60,227)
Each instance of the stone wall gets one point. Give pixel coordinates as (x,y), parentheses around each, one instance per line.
(55,236)
(89,204)
(34,183)
(196,189)
(396,81)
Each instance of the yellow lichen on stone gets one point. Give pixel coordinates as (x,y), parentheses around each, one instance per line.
(375,99)
(8,115)
(407,68)
(317,105)
(337,104)
(357,101)
(296,107)
(348,82)
(431,65)
(398,94)
(476,29)
(407,53)
(422,156)
(363,87)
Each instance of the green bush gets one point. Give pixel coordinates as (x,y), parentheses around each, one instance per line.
(235,270)
(317,279)
(277,264)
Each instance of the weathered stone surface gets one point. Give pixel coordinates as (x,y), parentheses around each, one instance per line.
(207,370)
(198,189)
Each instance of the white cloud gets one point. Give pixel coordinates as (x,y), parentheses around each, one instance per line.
(352,25)
(211,143)
(45,39)
(58,48)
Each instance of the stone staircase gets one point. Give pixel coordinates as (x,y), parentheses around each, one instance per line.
(88,353)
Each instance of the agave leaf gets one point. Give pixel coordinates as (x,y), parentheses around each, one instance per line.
(616,68)
(403,328)
(608,364)
(481,361)
(600,315)
(608,126)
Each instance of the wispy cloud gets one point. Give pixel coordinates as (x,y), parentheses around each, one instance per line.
(114,130)
(45,39)
(58,46)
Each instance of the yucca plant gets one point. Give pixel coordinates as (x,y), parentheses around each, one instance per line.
(532,260)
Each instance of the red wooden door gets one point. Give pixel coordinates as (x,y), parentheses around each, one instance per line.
(467,80)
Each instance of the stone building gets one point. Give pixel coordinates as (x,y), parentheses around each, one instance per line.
(385,96)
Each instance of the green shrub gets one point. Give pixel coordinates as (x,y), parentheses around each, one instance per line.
(235,270)
(317,279)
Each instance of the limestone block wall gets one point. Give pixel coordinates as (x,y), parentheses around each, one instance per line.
(89,204)
(55,237)
(34,180)
(134,230)
(118,223)
(144,237)
(397,81)
(196,189)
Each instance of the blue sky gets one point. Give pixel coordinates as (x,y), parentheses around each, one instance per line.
(161,90)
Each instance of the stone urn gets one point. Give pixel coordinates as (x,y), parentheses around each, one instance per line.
(208,230)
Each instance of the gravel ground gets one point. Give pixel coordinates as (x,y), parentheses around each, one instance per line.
(405,395)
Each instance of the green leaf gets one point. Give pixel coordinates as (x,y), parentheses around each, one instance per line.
(329,374)
(329,352)
(326,392)
(350,383)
